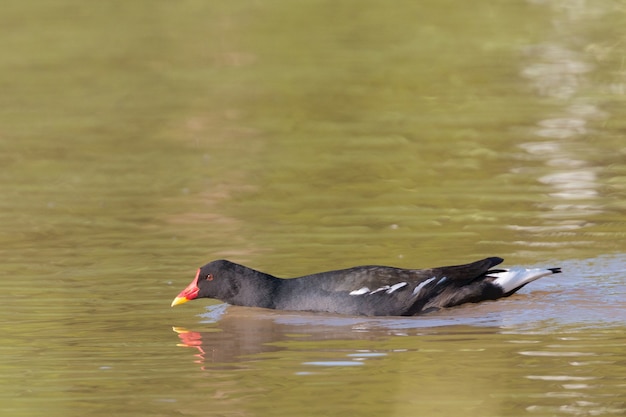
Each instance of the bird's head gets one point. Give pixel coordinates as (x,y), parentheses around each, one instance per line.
(216,279)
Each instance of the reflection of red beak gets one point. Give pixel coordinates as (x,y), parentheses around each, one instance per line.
(188,293)
(191,339)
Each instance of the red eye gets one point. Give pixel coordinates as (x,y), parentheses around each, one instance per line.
(209,277)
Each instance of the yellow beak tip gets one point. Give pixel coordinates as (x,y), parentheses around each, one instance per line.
(179,300)
(180,329)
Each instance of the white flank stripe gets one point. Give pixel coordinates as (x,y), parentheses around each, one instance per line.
(422,285)
(360,291)
(387,288)
(383,288)
(514,278)
(396,287)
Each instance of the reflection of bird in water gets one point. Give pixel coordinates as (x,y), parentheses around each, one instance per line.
(190,339)
(362,290)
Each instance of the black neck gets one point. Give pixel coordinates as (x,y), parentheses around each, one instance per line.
(259,291)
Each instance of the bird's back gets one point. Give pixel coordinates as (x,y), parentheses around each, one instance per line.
(376,290)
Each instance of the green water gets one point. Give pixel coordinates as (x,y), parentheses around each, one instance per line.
(140,140)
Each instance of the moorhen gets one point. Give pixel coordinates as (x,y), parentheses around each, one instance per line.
(363,290)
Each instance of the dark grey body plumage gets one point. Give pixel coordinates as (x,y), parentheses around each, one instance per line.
(362,290)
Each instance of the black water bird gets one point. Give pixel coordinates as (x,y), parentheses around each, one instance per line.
(363,290)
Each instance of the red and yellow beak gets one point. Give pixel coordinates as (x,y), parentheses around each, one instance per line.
(188,293)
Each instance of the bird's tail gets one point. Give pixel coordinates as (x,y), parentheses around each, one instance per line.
(511,280)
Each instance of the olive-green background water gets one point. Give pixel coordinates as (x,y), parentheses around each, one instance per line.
(139,140)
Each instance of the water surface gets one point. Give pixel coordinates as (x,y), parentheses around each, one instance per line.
(140,140)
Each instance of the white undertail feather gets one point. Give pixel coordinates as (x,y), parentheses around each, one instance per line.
(515,278)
